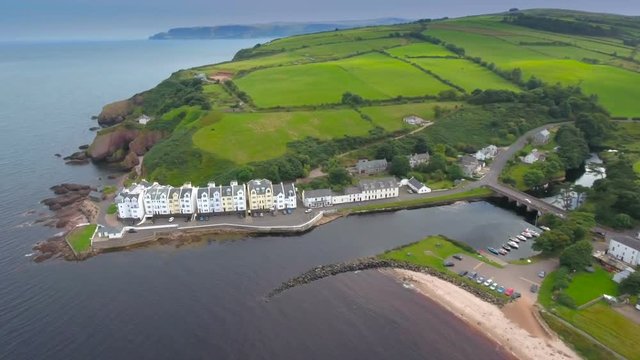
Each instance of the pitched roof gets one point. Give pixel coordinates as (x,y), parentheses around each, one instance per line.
(317,193)
(383,183)
(415,183)
(259,186)
(365,164)
(467,160)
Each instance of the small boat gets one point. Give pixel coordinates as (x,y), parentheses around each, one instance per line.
(513,245)
(492,250)
(534,233)
(514,239)
(521,238)
(502,251)
(506,247)
(545,228)
(526,234)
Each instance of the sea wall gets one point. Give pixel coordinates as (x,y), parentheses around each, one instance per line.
(370,263)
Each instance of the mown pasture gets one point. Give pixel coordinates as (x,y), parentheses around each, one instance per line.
(372,76)
(466,74)
(248,137)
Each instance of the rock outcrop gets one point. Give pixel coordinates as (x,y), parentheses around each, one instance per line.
(122,145)
(70,206)
(77,158)
(116,112)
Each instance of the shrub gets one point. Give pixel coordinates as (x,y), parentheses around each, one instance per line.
(566,300)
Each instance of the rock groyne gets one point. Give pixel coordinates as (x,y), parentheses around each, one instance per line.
(370,263)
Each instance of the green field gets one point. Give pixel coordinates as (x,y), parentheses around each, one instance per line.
(501,44)
(80,238)
(431,252)
(421,50)
(390,117)
(372,76)
(466,74)
(247,137)
(588,286)
(600,320)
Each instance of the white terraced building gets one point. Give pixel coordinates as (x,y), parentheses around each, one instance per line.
(130,202)
(374,189)
(284,196)
(144,200)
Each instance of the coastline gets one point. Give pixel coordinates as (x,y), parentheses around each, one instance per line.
(505,327)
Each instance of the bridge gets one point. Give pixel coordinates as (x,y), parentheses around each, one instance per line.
(524,199)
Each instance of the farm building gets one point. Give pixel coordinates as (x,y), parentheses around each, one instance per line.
(417,186)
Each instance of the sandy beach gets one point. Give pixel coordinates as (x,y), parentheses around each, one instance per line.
(514,327)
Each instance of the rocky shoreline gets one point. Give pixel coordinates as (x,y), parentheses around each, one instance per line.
(71,206)
(371,263)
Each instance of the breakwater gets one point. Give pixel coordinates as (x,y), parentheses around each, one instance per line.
(371,263)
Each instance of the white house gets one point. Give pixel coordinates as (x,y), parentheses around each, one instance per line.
(284,196)
(533,157)
(208,199)
(376,189)
(626,249)
(541,137)
(350,195)
(130,202)
(188,197)
(487,153)
(156,200)
(143,120)
(239,192)
(417,159)
(414,120)
(417,186)
(317,198)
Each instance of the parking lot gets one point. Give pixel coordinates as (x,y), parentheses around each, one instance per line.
(518,277)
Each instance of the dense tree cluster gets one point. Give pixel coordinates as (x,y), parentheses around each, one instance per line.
(573,148)
(171,94)
(561,26)
(563,232)
(617,197)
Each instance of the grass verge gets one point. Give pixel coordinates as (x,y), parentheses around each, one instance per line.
(580,343)
(112,209)
(80,238)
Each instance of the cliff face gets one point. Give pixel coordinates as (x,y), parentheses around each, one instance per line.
(122,146)
(116,112)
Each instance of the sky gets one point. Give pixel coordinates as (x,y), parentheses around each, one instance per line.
(137,19)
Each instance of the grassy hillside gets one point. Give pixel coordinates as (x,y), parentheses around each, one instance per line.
(286,97)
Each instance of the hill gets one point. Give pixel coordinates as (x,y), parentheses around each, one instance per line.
(284,107)
(269,30)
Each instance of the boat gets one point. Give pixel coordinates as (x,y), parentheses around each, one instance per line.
(545,228)
(492,250)
(521,238)
(534,233)
(502,251)
(526,234)
(514,239)
(513,245)
(506,247)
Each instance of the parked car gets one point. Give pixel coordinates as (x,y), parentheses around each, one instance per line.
(542,274)
(448,263)
(480,279)
(501,289)
(493,286)
(457,257)
(308,211)
(171,219)
(131,231)
(533,288)
(516,295)
(472,275)
(463,272)
(509,292)
(488,282)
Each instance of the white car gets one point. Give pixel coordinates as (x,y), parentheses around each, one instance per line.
(171,219)
(308,211)
(488,282)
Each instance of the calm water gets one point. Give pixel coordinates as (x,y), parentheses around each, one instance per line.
(202,301)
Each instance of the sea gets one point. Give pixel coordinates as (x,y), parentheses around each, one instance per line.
(204,300)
